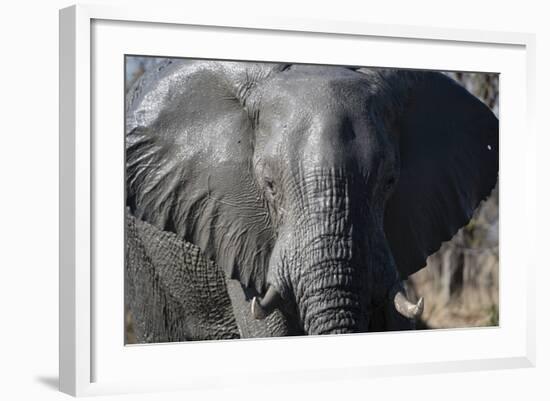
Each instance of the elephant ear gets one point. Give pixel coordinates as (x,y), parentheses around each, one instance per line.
(448,145)
(189,148)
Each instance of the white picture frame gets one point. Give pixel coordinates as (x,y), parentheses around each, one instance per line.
(93,358)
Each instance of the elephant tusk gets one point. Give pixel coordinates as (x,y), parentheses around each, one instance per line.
(262,307)
(406,307)
(258,312)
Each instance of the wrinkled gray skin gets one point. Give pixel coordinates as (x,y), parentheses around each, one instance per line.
(328,185)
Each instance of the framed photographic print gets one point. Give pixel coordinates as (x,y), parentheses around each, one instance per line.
(288,198)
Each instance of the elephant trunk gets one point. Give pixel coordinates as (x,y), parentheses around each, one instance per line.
(328,298)
(324,273)
(324,286)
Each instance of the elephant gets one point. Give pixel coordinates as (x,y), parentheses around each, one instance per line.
(308,193)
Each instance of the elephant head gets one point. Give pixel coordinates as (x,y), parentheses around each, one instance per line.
(319,188)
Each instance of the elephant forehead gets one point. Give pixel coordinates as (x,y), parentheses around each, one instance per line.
(316,110)
(322,120)
(317,91)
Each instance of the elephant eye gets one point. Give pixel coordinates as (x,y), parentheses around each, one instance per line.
(269,186)
(390,182)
